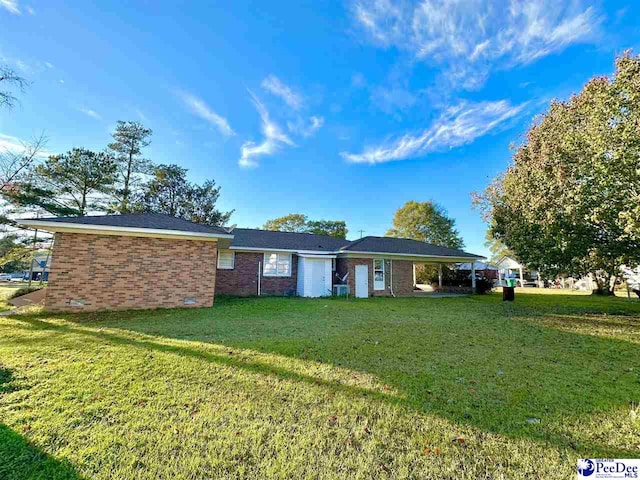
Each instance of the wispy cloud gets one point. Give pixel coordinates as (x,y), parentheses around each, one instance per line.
(141,115)
(275,86)
(91,113)
(308,128)
(456,126)
(274,138)
(11,6)
(11,144)
(201,109)
(473,37)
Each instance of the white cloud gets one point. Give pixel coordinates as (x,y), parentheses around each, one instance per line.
(91,113)
(471,37)
(393,99)
(306,129)
(11,144)
(141,115)
(202,110)
(48,64)
(275,86)
(10,6)
(31,10)
(456,126)
(274,138)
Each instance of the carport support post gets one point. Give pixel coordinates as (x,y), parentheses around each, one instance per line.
(440,275)
(521,278)
(473,277)
(414,275)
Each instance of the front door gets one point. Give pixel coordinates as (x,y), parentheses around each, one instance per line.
(362,281)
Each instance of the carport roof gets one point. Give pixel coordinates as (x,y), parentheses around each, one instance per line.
(404,246)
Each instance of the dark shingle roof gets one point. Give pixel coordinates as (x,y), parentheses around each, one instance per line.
(266,239)
(261,239)
(403,246)
(157,221)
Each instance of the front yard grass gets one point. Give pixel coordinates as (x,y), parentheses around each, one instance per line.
(312,388)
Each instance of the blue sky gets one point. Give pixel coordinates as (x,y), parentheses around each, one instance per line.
(339,110)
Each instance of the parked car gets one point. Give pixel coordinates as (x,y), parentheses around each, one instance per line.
(16,277)
(5,277)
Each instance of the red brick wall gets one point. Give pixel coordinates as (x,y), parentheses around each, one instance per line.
(116,272)
(243,279)
(402,275)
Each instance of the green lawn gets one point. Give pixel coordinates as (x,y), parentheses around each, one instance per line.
(292,388)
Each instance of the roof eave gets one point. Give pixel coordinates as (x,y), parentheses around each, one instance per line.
(91,229)
(410,256)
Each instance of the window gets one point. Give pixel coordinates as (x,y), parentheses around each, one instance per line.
(277,265)
(378,274)
(226,259)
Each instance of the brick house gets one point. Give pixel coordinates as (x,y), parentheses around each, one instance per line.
(153,260)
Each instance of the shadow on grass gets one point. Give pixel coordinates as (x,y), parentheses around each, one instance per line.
(491,371)
(20,459)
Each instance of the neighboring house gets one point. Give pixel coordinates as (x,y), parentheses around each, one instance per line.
(40,266)
(483,269)
(523,275)
(153,260)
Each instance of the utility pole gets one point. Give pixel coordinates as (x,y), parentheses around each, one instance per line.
(33,249)
(361,232)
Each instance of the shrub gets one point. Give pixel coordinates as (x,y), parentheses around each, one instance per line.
(23,291)
(483,286)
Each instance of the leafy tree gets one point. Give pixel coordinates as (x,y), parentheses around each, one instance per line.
(496,247)
(170,192)
(9,78)
(297,222)
(332,228)
(78,178)
(569,204)
(129,139)
(14,254)
(426,222)
(294,222)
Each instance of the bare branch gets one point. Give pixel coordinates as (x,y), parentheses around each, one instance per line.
(10,77)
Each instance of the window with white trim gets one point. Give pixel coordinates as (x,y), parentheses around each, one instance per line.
(277,265)
(378,274)
(226,259)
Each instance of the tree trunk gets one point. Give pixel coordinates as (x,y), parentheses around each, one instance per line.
(125,191)
(604,285)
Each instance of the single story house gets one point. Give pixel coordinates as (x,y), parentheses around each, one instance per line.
(153,260)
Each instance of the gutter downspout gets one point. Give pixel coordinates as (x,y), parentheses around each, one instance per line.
(259,275)
(391,266)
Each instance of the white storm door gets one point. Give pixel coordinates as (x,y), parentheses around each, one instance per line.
(317,278)
(362,281)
